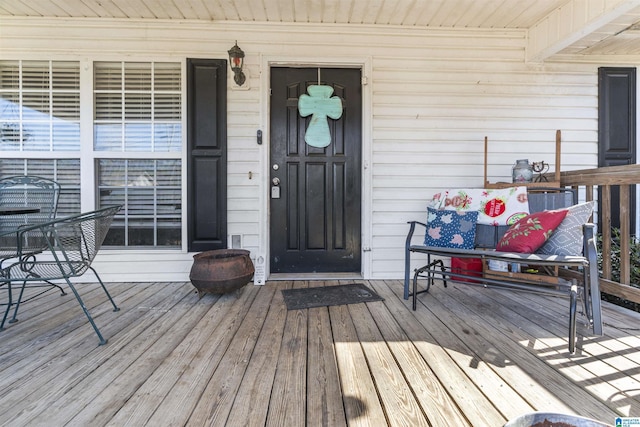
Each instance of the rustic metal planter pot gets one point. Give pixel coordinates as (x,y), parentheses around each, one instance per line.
(548,419)
(221,271)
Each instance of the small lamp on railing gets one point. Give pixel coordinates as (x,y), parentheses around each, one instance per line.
(236,60)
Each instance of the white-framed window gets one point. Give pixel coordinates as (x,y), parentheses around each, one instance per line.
(135,147)
(40,105)
(151,194)
(40,124)
(64,171)
(137,109)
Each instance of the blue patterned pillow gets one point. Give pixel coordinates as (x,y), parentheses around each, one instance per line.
(451,229)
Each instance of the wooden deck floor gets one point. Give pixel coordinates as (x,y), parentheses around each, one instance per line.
(467,356)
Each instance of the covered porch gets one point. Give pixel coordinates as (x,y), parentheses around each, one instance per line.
(467,356)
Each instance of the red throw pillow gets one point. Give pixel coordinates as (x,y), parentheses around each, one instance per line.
(531,232)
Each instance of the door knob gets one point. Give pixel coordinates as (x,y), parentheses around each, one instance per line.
(276,181)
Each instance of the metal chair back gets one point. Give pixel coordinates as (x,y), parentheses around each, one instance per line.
(34,192)
(75,241)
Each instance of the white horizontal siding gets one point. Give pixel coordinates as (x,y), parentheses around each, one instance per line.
(432,96)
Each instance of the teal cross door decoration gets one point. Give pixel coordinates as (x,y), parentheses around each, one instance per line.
(321,104)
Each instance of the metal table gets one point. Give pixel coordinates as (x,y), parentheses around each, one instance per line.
(18,210)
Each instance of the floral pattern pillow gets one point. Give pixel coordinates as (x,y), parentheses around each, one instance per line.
(499,206)
(451,229)
(531,232)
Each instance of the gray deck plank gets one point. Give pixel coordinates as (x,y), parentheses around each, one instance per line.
(324,395)
(287,406)
(217,398)
(467,357)
(508,337)
(46,376)
(251,405)
(182,399)
(456,365)
(113,379)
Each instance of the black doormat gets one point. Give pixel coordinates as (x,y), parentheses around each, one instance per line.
(328,295)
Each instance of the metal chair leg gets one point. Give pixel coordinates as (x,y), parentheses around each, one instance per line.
(573,302)
(9,304)
(104,288)
(414,294)
(14,318)
(86,312)
(20,300)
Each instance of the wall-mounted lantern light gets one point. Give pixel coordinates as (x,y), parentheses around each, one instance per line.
(236,59)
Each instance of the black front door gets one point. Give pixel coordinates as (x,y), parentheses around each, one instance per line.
(315,193)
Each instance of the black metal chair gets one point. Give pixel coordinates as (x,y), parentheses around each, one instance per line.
(39,196)
(71,245)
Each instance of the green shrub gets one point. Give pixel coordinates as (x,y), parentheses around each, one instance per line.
(634,252)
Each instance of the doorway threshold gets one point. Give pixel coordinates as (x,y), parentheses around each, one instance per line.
(315,276)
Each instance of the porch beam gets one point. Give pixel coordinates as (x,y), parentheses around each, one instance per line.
(592,20)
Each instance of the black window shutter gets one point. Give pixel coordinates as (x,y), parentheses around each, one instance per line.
(206,154)
(617,128)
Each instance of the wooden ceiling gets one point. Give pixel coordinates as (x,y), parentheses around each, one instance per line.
(614,31)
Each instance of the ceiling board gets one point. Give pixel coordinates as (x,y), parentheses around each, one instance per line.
(609,38)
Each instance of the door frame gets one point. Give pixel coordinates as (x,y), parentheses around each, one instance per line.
(363,63)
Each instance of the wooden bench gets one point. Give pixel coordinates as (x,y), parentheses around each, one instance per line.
(574,276)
